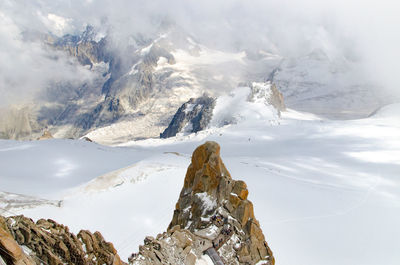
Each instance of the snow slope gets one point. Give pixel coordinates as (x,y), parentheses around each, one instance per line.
(47,167)
(325,192)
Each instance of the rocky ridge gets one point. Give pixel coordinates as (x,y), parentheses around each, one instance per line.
(24,242)
(212,212)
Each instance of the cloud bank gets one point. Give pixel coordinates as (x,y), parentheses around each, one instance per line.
(366,32)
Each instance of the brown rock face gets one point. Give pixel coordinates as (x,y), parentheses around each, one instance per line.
(10,251)
(51,243)
(210,196)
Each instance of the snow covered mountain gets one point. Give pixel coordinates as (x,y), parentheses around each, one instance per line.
(206,112)
(134,93)
(139,88)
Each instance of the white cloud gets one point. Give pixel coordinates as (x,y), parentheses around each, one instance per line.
(27,67)
(56,24)
(366,31)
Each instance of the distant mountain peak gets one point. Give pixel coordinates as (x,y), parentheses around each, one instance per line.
(193,116)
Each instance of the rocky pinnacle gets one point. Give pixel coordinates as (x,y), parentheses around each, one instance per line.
(210,195)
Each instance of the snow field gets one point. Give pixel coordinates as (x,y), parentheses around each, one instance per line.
(325,192)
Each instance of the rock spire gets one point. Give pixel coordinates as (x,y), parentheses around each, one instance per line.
(212,215)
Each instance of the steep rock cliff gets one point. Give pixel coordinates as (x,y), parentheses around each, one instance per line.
(212,213)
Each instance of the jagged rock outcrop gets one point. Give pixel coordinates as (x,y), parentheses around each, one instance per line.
(46,242)
(10,251)
(176,246)
(212,212)
(191,117)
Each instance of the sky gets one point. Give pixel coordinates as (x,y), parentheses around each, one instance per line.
(366,32)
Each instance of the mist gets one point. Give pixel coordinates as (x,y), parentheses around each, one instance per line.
(363,32)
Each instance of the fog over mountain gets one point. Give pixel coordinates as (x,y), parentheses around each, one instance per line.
(74,66)
(360,31)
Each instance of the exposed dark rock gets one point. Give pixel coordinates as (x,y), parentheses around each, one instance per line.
(192,116)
